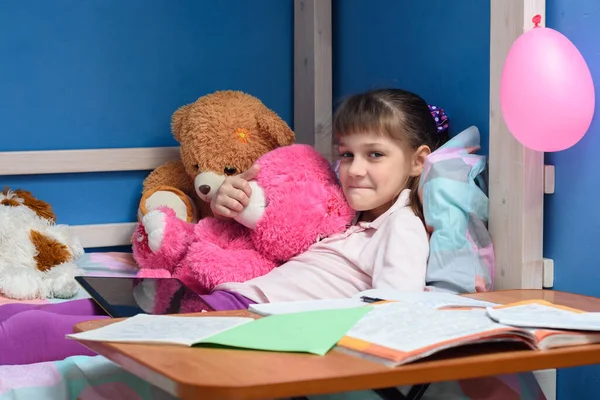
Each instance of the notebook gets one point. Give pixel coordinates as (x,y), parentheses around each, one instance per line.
(314,332)
(427,299)
(398,333)
(291,307)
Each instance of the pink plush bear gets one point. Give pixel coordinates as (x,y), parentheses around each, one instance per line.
(296,200)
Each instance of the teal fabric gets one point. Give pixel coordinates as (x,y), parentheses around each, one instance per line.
(456,207)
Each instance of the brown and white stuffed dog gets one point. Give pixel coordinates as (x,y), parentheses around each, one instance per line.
(36,255)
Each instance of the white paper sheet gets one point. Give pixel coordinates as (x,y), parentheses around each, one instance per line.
(144,328)
(535,315)
(426,299)
(301,306)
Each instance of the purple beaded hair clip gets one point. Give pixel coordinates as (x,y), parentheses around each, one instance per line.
(440,117)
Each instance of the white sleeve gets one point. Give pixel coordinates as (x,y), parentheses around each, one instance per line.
(401,253)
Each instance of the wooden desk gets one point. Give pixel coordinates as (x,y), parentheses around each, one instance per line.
(192,373)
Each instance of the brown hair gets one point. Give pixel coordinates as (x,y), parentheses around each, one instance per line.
(397,113)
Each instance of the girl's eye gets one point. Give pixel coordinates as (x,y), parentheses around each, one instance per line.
(346,155)
(375,154)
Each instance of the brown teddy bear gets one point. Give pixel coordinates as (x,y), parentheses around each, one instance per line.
(220,134)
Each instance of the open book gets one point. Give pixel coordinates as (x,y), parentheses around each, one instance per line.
(397,333)
(313,332)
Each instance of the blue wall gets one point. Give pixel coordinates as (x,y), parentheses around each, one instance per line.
(102,74)
(438,49)
(572,215)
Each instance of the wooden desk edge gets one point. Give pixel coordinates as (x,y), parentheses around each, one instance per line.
(441,370)
(427,372)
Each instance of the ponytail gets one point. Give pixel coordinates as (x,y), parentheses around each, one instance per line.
(415,200)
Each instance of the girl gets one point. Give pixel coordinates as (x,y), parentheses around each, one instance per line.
(383,138)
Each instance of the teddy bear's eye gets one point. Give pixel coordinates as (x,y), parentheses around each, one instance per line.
(230,170)
(196,167)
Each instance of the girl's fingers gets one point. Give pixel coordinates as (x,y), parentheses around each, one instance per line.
(250,173)
(242,198)
(241,184)
(224,211)
(234,205)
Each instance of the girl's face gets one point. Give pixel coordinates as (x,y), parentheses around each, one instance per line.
(374,169)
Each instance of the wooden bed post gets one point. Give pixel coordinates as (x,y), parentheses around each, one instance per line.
(312,74)
(516,185)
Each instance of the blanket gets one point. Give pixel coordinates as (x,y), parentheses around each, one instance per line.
(78,377)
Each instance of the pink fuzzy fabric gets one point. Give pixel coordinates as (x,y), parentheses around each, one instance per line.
(304,203)
(177,238)
(221,252)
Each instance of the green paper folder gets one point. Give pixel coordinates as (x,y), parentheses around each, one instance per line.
(313,332)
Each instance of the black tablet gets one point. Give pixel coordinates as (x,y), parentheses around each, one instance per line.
(127,296)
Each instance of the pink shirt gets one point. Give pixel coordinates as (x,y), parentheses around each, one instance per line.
(389,252)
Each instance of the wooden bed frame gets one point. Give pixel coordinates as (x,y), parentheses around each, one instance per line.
(517,175)
(516,186)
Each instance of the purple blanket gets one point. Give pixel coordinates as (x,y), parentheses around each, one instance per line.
(31,333)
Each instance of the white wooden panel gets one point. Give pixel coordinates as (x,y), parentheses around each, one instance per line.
(104,235)
(93,160)
(517,183)
(313,74)
(549,180)
(516,173)
(547,380)
(548,273)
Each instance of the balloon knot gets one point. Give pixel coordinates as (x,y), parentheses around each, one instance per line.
(536,20)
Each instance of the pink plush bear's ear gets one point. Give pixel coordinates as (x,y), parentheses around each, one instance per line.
(304,202)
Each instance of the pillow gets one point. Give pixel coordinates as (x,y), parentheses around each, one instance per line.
(455,206)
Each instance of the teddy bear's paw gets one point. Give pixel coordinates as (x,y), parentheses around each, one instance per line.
(175,199)
(153,273)
(161,239)
(155,223)
(26,286)
(60,281)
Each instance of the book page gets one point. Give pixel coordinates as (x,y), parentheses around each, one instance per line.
(166,329)
(410,329)
(426,299)
(535,315)
(550,339)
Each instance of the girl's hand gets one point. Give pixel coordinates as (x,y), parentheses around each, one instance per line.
(234,194)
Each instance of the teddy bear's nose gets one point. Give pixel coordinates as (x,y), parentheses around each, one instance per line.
(204,189)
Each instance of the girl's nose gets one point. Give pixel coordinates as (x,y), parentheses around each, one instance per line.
(357,168)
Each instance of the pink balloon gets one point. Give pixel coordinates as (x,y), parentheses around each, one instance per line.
(546,91)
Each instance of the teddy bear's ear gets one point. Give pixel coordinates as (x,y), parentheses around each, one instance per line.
(271,123)
(178,120)
(40,207)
